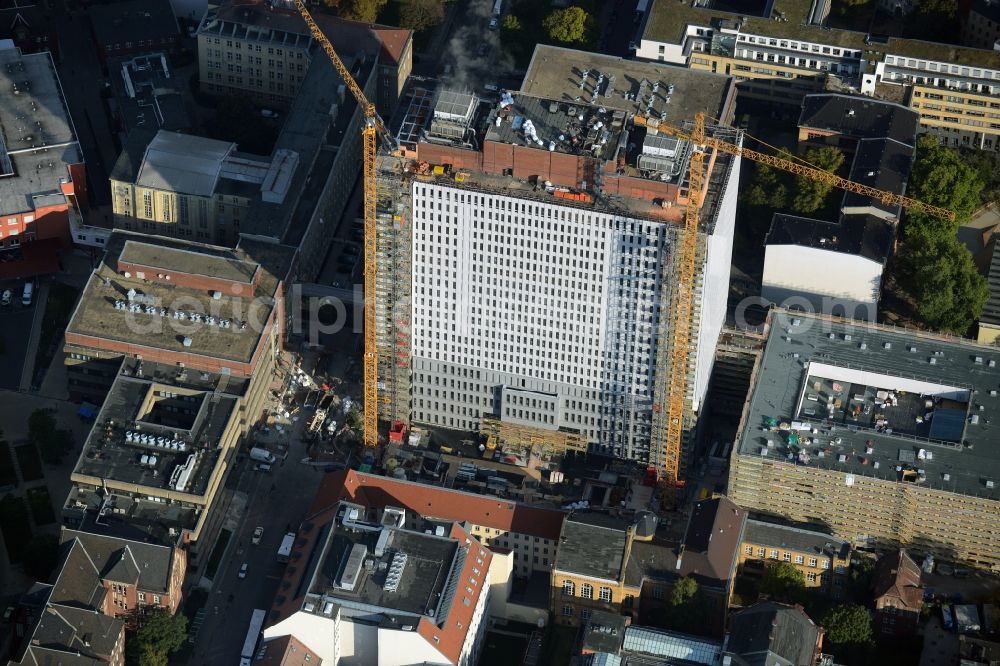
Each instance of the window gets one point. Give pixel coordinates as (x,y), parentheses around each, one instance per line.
(567,611)
(585,614)
(787,557)
(826,564)
(812,561)
(569,588)
(760,552)
(774,554)
(156,599)
(142,597)
(606,594)
(749,550)
(811,577)
(799,559)
(587,591)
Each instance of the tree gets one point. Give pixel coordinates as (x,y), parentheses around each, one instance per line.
(942,178)
(162,631)
(809,192)
(362,10)
(41,556)
(512,23)
(684,591)
(847,625)
(567,25)
(147,655)
(53,443)
(767,188)
(782,581)
(945,283)
(419,15)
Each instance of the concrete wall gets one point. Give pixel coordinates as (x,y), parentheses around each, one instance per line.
(821,277)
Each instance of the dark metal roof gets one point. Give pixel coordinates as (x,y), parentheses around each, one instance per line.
(795,538)
(772,634)
(883,164)
(864,235)
(859,117)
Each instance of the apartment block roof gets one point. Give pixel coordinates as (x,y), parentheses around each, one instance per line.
(125,561)
(795,538)
(897,576)
(555,73)
(98,320)
(772,634)
(795,19)
(870,400)
(859,117)
(862,235)
(442,503)
(149,21)
(154,435)
(592,545)
(148,96)
(39,142)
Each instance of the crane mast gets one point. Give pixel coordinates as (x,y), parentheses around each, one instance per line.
(373,128)
(683,299)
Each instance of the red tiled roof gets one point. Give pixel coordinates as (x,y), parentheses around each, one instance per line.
(445,503)
(897,576)
(451,637)
(392,41)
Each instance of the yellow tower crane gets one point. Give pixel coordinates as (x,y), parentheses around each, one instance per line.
(683,299)
(374,127)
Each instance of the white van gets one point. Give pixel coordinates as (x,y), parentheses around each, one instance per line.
(29,291)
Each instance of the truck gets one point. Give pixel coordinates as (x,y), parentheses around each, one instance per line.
(285,549)
(262,455)
(497,8)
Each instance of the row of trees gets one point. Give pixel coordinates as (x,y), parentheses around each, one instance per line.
(934,269)
(417,15)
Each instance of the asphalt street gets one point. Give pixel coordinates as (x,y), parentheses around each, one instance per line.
(82,76)
(15,321)
(278,500)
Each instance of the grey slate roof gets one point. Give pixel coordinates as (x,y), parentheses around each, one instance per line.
(772,634)
(864,235)
(591,546)
(795,538)
(127,561)
(91,634)
(77,582)
(883,164)
(859,117)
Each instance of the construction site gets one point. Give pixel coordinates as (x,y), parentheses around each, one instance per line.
(529,256)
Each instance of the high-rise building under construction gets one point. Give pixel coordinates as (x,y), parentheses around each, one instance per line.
(527,252)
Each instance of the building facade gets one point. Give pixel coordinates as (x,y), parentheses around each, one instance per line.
(876,434)
(134,27)
(824,560)
(193,188)
(264,49)
(790,53)
(529,284)
(40,188)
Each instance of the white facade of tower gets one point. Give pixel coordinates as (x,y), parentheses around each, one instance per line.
(540,313)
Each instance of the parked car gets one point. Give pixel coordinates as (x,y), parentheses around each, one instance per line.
(268,113)
(29,290)
(263,467)
(6,298)
(494,24)
(243,571)
(258,532)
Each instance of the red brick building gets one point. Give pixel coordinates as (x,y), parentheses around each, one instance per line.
(897,593)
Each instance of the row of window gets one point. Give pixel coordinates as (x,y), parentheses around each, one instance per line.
(586,591)
(787,557)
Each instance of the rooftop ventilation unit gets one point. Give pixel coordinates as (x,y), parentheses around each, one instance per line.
(395,573)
